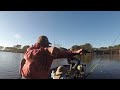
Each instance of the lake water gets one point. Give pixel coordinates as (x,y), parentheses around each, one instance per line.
(9,65)
(103,67)
(107,68)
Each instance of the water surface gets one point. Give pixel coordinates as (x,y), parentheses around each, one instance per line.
(108,67)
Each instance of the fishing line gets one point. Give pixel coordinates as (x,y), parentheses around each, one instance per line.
(100,59)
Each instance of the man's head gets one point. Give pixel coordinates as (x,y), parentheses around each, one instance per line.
(43,41)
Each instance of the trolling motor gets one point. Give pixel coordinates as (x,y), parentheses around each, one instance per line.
(77,70)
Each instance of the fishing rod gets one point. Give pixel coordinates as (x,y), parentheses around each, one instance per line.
(100,59)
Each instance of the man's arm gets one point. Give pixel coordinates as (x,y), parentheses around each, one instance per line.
(55,52)
(68,54)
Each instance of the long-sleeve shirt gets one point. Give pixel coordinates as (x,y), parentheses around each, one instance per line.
(39,60)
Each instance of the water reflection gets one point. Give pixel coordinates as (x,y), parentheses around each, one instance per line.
(9,65)
(108,68)
(86,58)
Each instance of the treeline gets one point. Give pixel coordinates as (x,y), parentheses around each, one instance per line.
(15,48)
(87,46)
(102,50)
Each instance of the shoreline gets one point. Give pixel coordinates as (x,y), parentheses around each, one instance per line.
(12,51)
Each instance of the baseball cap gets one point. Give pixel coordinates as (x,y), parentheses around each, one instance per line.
(43,39)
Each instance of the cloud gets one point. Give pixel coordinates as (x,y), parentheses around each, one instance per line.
(17,36)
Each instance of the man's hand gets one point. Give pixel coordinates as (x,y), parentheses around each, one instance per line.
(80,51)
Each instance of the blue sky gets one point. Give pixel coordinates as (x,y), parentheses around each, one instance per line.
(67,28)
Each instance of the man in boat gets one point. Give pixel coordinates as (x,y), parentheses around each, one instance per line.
(38,59)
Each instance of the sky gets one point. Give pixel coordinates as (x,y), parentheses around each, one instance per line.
(67,28)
